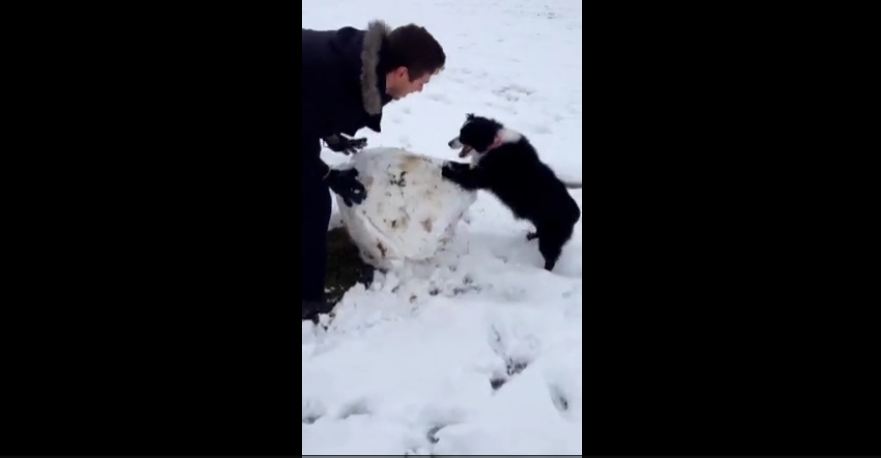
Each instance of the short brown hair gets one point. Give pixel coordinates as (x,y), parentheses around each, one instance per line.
(413,47)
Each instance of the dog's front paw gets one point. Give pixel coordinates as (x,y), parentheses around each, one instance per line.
(453,170)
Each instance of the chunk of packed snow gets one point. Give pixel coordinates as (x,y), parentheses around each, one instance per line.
(410,211)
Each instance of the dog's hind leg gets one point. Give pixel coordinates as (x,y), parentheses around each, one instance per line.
(550,246)
(550,242)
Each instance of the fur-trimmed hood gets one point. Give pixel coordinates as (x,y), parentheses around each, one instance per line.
(373,99)
(343,88)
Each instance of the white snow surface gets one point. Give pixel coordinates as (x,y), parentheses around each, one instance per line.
(409,364)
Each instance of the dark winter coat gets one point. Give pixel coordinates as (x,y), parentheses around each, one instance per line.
(343,86)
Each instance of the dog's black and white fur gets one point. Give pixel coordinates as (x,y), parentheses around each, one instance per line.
(506,164)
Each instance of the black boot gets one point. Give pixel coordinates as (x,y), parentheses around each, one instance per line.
(311,309)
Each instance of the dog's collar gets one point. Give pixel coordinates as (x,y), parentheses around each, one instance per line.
(495,144)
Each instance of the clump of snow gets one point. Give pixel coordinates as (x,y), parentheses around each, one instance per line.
(410,211)
(477,349)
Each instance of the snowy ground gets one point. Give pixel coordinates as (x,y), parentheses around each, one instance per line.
(480,351)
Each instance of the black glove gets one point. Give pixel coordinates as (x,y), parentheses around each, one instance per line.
(344,183)
(345,145)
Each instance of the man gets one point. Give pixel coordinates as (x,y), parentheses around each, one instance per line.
(348,76)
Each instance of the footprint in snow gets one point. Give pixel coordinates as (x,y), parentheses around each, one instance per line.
(313,409)
(357,407)
(559,398)
(517,353)
(439,98)
(541,129)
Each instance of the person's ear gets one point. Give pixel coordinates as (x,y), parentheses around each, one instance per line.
(400,72)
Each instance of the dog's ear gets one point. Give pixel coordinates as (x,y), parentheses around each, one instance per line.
(470,116)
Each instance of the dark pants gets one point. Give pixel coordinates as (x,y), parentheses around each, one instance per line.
(315,218)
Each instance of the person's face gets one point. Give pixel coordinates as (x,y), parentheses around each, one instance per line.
(398,84)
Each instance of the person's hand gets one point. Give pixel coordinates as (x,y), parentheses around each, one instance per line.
(344,183)
(345,145)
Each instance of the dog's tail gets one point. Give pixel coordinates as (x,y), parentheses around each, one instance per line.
(568,182)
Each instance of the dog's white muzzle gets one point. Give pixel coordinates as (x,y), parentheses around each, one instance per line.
(455,144)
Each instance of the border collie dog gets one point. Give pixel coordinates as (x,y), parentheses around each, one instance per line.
(506,164)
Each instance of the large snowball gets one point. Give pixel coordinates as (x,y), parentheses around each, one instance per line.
(410,211)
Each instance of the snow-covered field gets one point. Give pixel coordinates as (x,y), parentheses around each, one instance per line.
(479,351)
